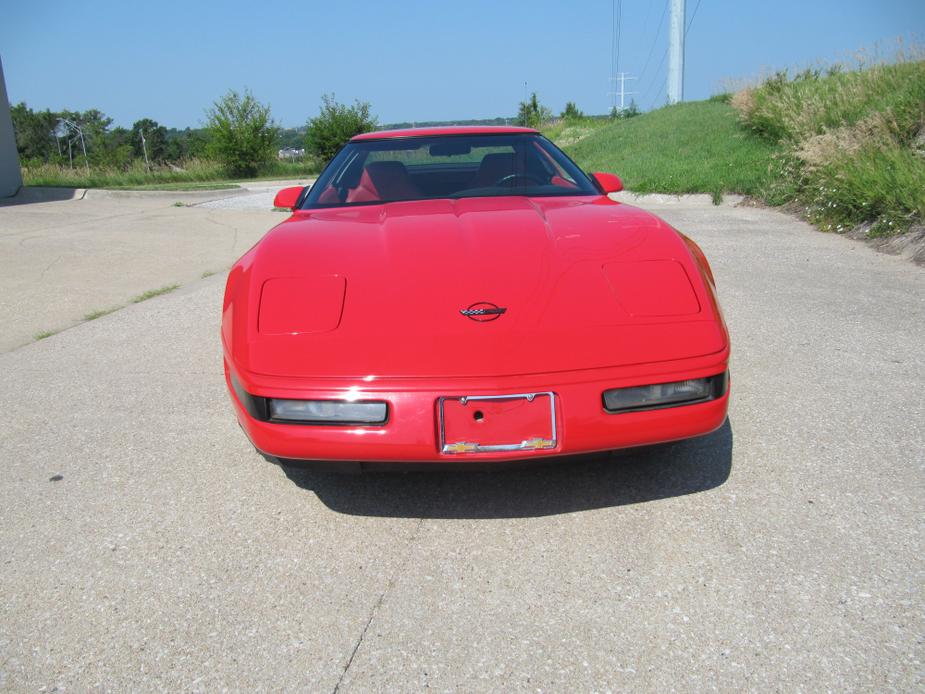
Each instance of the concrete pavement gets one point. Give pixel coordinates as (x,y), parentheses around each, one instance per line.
(62,258)
(145,546)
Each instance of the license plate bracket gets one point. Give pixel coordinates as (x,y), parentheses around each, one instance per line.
(497,423)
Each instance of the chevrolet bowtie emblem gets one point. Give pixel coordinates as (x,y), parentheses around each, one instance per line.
(536,443)
(461,447)
(483,312)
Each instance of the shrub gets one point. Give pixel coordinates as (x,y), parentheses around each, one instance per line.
(572,112)
(532,114)
(242,135)
(335,125)
(630,111)
(34,130)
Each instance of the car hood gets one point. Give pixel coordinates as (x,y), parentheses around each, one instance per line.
(377,291)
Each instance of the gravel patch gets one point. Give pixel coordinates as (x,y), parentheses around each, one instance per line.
(257,198)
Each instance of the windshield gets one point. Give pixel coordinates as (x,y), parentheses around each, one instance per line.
(446,166)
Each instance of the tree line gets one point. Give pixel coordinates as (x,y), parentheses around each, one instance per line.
(54,137)
(240,134)
(533,114)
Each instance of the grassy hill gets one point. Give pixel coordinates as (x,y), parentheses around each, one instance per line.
(845,148)
(695,147)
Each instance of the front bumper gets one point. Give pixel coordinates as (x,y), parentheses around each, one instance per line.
(412,433)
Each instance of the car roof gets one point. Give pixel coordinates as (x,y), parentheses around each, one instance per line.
(444,130)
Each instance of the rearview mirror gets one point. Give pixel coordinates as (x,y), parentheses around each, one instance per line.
(449,149)
(287,197)
(609,182)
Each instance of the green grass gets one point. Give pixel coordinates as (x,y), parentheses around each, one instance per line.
(151,293)
(283,170)
(566,132)
(45,333)
(193,175)
(100,312)
(179,187)
(695,147)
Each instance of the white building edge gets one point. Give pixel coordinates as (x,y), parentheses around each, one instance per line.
(10,173)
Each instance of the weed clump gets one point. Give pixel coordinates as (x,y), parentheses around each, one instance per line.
(151,293)
(853,143)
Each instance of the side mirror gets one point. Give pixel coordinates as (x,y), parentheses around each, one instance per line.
(611,183)
(287,197)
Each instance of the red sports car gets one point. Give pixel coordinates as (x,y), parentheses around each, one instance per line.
(469,294)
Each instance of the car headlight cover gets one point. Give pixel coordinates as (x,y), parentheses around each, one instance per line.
(328,411)
(664,394)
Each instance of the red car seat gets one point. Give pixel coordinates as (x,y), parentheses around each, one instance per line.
(384,180)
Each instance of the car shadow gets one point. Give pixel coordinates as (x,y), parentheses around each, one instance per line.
(525,491)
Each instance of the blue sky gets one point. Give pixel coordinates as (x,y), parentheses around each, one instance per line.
(411,60)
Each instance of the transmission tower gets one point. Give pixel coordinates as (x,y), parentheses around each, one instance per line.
(621,92)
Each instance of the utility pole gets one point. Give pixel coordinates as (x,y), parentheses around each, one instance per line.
(144,148)
(73,127)
(676,52)
(83,146)
(622,93)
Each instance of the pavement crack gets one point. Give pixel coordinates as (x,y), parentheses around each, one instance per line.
(49,266)
(225,225)
(64,225)
(375,609)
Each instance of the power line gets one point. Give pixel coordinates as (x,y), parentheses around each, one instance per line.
(655,39)
(616,8)
(655,98)
(654,78)
(619,31)
(645,23)
(693,14)
(662,62)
